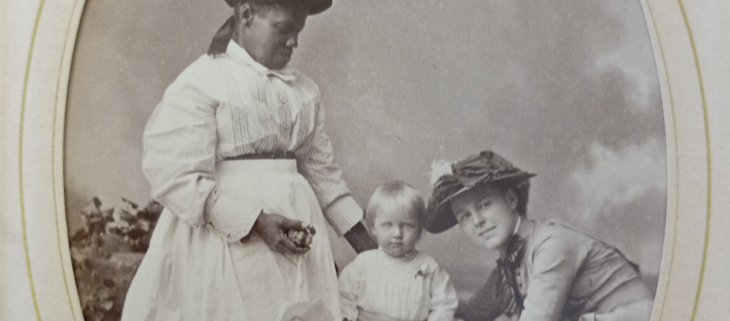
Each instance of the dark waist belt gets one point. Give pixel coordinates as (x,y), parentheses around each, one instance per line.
(274,155)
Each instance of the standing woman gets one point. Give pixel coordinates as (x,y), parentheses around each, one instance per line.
(547,271)
(237,154)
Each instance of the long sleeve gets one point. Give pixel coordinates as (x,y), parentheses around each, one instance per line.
(349,290)
(179,159)
(443,297)
(484,305)
(555,265)
(316,162)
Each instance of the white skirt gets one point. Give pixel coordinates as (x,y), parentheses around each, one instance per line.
(193,274)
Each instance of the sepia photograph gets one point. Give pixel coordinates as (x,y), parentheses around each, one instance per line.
(365,160)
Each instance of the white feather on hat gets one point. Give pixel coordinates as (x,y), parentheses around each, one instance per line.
(439,168)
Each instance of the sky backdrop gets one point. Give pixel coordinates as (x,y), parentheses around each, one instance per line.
(565,89)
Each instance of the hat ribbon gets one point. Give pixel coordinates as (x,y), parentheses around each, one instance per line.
(222,38)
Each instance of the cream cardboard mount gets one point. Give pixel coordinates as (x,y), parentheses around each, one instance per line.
(690,40)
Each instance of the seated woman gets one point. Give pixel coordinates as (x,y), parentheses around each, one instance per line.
(547,271)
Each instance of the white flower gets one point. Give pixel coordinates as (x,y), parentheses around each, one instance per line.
(423,270)
(439,168)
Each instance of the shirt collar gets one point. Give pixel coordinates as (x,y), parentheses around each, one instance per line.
(239,53)
(407,258)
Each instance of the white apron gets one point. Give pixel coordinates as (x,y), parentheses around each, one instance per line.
(193,274)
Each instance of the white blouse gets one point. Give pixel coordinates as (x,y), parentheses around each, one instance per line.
(230,105)
(410,288)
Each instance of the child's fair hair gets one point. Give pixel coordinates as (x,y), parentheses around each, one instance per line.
(395,195)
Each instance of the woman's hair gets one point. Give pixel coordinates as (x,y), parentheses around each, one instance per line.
(522,190)
(395,195)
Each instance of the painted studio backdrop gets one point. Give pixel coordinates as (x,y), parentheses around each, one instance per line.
(564,89)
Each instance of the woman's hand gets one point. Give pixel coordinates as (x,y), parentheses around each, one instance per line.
(272,229)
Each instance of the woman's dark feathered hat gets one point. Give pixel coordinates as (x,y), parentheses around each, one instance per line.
(449,180)
(224,34)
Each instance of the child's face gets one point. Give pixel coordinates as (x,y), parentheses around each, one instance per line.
(396,231)
(486,215)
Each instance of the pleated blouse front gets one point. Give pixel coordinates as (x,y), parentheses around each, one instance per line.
(230,105)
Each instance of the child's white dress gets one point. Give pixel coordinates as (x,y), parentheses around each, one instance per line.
(376,286)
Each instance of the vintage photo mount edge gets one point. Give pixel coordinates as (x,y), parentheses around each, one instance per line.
(45,240)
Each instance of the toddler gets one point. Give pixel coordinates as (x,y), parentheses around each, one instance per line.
(396,282)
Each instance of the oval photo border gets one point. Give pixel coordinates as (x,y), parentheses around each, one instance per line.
(40,187)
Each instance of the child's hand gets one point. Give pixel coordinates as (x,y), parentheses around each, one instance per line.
(272,229)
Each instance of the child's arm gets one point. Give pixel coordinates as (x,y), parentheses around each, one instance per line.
(443,297)
(349,290)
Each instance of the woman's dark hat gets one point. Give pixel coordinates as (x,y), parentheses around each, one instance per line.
(313,6)
(223,35)
(486,167)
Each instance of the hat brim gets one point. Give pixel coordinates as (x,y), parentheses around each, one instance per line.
(317,7)
(313,6)
(441,218)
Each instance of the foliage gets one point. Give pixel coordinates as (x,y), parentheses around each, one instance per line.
(106,252)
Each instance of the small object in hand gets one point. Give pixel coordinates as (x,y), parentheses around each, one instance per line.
(301,237)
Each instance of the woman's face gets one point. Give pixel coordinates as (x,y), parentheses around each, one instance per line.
(396,231)
(486,215)
(271,36)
